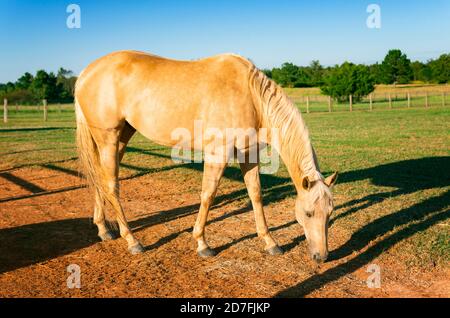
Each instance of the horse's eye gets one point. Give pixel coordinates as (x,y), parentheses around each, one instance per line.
(309,214)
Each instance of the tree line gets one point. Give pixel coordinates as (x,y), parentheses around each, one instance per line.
(359,80)
(32,89)
(338,81)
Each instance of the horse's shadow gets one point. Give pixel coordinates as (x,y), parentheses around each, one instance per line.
(32,243)
(406,177)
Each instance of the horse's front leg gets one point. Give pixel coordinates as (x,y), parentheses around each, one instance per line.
(212,173)
(252,181)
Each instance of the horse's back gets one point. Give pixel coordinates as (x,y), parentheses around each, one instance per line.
(134,63)
(156,94)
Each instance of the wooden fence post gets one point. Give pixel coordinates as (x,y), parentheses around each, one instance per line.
(307,104)
(5,110)
(351,102)
(44,102)
(370,102)
(409,99)
(390,101)
(426,100)
(329,104)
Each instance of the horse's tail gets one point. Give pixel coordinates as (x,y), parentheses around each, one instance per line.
(89,156)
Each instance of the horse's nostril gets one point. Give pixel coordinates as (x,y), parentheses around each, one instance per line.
(319,258)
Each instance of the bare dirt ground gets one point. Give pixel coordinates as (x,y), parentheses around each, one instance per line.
(46,225)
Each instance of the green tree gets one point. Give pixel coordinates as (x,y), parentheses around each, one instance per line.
(417,69)
(65,84)
(375,70)
(316,72)
(24,82)
(287,75)
(303,78)
(268,72)
(38,86)
(44,86)
(21,96)
(440,69)
(396,68)
(348,79)
(9,87)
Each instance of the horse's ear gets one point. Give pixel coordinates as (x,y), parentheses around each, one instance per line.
(306,184)
(331,180)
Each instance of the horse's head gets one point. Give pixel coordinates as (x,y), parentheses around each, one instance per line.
(313,208)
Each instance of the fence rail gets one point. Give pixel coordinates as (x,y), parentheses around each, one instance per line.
(374,101)
(307,103)
(44,108)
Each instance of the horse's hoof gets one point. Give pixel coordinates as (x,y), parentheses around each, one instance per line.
(207,252)
(275,250)
(136,249)
(106,236)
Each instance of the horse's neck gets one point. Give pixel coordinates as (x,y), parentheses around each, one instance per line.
(294,143)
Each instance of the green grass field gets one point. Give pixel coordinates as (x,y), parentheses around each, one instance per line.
(372,138)
(394,166)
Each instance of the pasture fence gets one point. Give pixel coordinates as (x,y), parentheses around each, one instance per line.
(308,103)
(12,111)
(44,102)
(5,111)
(374,101)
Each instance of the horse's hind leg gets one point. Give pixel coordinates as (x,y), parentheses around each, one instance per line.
(110,161)
(99,219)
(108,146)
(99,211)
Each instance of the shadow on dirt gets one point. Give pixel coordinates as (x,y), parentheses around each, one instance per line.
(32,243)
(29,244)
(275,189)
(21,182)
(407,177)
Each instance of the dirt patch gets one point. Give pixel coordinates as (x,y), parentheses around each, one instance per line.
(46,225)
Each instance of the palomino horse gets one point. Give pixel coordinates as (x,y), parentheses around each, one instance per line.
(128,91)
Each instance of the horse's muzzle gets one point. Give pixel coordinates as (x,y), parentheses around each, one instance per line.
(319,258)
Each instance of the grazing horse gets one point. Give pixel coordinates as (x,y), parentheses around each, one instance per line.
(129,91)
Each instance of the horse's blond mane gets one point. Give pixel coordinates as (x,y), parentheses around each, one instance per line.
(279,112)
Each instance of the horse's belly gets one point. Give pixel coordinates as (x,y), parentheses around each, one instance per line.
(157,123)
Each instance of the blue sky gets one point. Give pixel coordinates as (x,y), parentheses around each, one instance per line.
(34,35)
